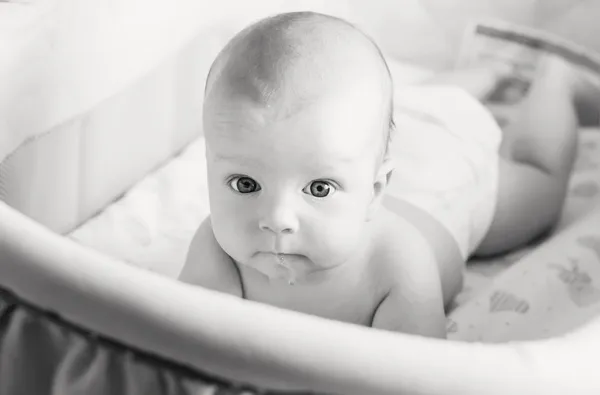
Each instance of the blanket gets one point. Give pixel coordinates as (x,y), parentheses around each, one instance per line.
(539,290)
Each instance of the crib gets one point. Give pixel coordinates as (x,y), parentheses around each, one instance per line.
(101,191)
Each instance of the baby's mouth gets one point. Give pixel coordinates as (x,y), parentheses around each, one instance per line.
(283,266)
(284,260)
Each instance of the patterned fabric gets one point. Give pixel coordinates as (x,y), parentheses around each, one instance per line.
(549,287)
(152,225)
(584,194)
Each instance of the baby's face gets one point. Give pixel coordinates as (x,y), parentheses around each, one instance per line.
(297,184)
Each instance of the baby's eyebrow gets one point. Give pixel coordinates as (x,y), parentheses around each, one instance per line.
(237,160)
(221,157)
(230,158)
(333,159)
(330,163)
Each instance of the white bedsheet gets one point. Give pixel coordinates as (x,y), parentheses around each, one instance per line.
(152,224)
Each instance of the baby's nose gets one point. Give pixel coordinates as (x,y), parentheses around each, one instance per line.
(279,219)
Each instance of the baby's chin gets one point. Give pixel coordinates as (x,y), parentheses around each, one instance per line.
(293,269)
(289,268)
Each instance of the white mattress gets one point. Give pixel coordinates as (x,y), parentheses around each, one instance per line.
(582,198)
(153,223)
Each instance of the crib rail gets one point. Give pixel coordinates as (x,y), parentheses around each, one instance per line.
(216,335)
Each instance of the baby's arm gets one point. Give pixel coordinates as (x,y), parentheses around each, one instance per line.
(208,266)
(414,304)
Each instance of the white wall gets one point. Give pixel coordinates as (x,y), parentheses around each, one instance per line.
(428,32)
(138,66)
(61,57)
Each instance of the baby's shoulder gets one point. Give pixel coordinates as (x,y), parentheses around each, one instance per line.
(399,248)
(413,301)
(208,266)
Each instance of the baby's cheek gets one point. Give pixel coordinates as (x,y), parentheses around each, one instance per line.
(221,229)
(230,231)
(339,239)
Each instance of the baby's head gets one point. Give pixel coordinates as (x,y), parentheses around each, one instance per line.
(297,116)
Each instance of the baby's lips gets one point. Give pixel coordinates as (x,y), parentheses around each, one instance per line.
(269,269)
(274,269)
(286,269)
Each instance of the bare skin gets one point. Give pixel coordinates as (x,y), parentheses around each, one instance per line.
(349,257)
(537,153)
(374,291)
(353,260)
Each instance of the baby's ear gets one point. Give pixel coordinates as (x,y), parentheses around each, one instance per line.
(382,179)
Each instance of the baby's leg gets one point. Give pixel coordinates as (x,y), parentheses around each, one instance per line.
(537,155)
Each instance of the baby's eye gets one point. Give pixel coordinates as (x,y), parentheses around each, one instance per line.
(319,189)
(244,185)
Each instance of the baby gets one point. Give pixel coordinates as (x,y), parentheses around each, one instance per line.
(314,209)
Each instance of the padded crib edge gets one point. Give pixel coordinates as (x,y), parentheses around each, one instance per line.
(68,311)
(98,317)
(73,170)
(62,314)
(60,355)
(62,304)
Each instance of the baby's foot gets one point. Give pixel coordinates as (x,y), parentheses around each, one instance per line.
(587,99)
(577,82)
(554,70)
